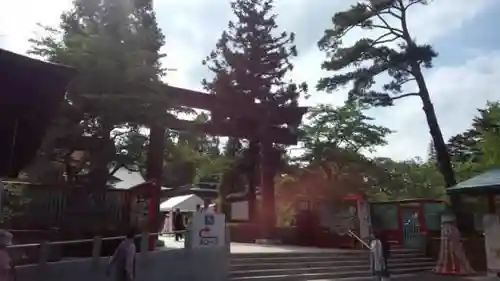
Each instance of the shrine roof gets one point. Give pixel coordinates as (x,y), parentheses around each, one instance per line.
(30,93)
(487,182)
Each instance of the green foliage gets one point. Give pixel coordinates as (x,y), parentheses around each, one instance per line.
(346,127)
(477,150)
(250,61)
(463,147)
(13,201)
(390,51)
(409,180)
(477,144)
(334,139)
(115,46)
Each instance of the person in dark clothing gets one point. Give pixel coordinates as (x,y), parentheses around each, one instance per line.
(386,249)
(178,224)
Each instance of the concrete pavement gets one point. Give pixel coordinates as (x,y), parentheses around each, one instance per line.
(427,276)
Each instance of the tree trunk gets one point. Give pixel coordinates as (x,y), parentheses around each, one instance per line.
(100,157)
(267,171)
(251,180)
(442,154)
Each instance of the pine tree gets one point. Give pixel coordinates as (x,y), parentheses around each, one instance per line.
(115,47)
(470,145)
(250,63)
(392,51)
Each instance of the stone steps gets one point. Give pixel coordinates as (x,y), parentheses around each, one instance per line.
(322,262)
(320,265)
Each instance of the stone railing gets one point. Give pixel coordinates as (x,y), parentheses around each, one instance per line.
(201,264)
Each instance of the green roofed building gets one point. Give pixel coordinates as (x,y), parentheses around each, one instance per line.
(485,183)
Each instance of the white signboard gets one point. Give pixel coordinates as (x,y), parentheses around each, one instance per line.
(491,224)
(208,230)
(239,211)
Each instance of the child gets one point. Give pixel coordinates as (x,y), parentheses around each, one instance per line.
(378,263)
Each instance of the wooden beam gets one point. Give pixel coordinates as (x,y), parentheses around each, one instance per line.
(232,129)
(259,112)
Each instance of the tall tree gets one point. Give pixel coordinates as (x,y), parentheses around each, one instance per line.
(463,146)
(392,51)
(472,145)
(431,153)
(250,63)
(409,179)
(346,127)
(115,47)
(333,139)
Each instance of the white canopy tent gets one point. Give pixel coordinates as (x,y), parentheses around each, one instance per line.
(185,203)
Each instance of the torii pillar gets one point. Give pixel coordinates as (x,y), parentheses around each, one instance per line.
(269,160)
(154,176)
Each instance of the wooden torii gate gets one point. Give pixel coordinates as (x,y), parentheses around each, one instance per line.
(231,117)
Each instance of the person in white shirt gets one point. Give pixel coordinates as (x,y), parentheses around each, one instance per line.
(123,260)
(378,264)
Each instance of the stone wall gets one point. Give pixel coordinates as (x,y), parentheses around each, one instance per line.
(167,264)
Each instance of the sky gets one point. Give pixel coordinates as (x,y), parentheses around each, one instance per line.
(464,77)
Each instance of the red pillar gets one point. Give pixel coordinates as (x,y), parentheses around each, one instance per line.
(154,175)
(268,209)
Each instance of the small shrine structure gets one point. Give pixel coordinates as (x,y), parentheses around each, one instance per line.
(480,196)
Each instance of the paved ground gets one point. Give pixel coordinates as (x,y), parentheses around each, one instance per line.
(435,277)
(422,277)
(254,248)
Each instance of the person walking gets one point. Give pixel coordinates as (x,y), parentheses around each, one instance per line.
(7,270)
(123,260)
(178,225)
(378,264)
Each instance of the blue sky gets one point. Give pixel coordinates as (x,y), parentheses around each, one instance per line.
(479,35)
(465,76)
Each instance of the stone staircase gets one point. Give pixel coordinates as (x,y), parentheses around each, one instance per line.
(320,265)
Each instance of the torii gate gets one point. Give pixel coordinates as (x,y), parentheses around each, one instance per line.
(232,118)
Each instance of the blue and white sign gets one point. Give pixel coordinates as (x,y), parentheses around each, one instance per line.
(207,230)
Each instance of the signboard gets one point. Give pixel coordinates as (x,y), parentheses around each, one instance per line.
(239,211)
(208,230)
(491,224)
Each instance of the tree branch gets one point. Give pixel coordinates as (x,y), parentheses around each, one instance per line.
(386,25)
(405,8)
(406,81)
(380,41)
(405,95)
(394,31)
(389,12)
